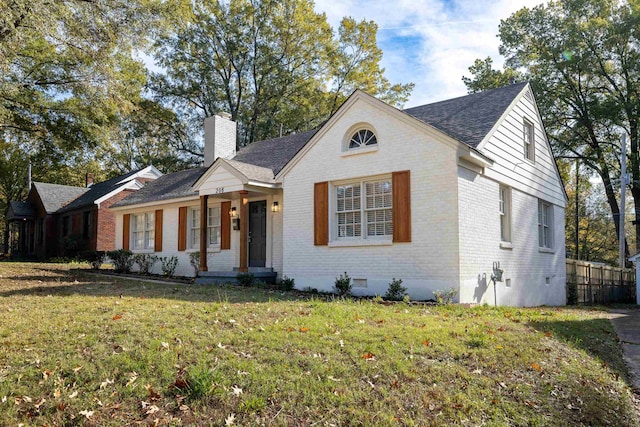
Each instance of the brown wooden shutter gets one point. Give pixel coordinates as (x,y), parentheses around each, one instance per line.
(401,185)
(126,224)
(157,242)
(182,228)
(321,214)
(225,225)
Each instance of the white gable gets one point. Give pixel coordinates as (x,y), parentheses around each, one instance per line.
(220,178)
(505,145)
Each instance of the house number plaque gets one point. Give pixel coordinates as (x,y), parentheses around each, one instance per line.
(219,190)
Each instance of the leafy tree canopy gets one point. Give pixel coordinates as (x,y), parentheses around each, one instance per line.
(275,66)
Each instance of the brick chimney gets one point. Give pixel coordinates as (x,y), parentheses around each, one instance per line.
(219,138)
(89,179)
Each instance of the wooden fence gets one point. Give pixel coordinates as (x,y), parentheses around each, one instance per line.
(595,283)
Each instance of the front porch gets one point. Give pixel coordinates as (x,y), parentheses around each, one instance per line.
(250,203)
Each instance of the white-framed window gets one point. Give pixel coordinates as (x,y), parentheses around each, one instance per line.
(213,227)
(143,230)
(505,213)
(545,225)
(362,138)
(528,131)
(193,227)
(363,209)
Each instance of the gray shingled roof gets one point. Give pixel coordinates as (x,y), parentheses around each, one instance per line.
(21,210)
(171,186)
(253,172)
(468,118)
(97,190)
(55,196)
(274,153)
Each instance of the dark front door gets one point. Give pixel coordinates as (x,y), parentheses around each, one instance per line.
(257,233)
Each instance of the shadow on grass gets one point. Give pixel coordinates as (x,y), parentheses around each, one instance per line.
(88,283)
(596,337)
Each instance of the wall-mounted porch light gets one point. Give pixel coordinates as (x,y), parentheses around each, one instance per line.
(275,207)
(233,213)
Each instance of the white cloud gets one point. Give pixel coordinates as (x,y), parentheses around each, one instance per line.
(433,42)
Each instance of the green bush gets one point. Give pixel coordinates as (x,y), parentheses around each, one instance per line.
(122,260)
(169,265)
(395,291)
(287,284)
(194,260)
(572,291)
(145,262)
(245,279)
(343,285)
(94,258)
(445,297)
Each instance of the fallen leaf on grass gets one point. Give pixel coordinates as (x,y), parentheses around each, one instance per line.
(536,367)
(76,369)
(73,395)
(46,374)
(86,414)
(133,376)
(304,330)
(117,317)
(105,383)
(39,403)
(165,345)
(237,391)
(56,393)
(230,420)
(153,395)
(368,356)
(426,343)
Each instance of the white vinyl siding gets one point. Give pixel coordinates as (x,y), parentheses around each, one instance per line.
(545,225)
(374,216)
(143,231)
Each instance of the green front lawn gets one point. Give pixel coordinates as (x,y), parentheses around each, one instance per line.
(80,349)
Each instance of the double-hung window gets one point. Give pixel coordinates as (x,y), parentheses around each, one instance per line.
(545,225)
(363,209)
(143,230)
(529,140)
(213,227)
(505,213)
(194,228)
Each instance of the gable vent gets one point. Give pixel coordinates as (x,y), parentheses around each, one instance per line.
(528,95)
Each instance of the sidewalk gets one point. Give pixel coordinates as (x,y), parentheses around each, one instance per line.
(627,325)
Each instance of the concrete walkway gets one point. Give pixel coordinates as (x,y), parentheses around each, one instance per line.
(627,325)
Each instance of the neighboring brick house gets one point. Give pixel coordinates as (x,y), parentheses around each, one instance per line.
(57,220)
(433,195)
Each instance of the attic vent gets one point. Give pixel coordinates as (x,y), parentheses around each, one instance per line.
(528,95)
(359,283)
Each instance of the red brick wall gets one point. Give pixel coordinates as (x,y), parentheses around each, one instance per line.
(106,223)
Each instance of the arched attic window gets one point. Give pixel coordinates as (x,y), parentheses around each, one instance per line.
(362,138)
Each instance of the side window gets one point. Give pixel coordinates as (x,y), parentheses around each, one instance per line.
(505,213)
(545,225)
(529,140)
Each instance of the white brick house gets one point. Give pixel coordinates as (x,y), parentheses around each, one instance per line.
(432,195)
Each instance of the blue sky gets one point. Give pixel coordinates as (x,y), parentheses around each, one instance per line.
(430,42)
